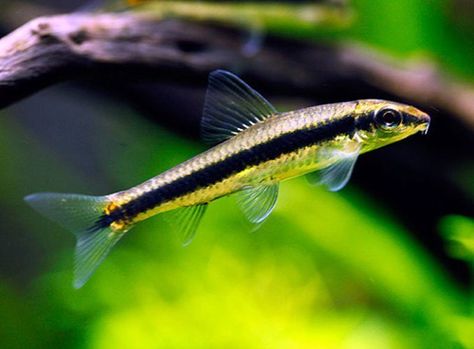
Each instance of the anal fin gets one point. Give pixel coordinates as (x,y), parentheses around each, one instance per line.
(187,220)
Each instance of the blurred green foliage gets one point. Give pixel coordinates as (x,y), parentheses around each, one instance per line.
(285,18)
(407,28)
(459,231)
(417,28)
(325,271)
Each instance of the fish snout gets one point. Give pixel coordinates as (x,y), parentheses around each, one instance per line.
(424,122)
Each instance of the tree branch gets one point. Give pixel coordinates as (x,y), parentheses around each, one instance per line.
(57,48)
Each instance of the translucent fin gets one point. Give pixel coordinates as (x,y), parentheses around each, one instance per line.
(230,107)
(91,249)
(79,214)
(258,202)
(187,220)
(336,176)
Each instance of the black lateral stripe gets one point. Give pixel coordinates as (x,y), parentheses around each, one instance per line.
(274,148)
(365,122)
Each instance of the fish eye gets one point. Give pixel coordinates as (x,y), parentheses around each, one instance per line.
(388,118)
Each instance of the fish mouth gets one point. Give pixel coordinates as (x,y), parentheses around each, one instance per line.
(425,131)
(425,124)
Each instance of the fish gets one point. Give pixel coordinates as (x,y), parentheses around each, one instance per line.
(255,147)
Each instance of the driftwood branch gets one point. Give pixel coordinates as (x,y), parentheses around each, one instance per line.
(57,48)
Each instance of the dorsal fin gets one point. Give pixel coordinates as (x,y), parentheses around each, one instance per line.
(231,106)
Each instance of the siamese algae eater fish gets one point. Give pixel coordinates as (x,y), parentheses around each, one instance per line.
(255,149)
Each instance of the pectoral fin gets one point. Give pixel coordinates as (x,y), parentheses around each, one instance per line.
(336,176)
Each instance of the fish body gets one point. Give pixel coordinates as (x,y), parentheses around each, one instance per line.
(283,146)
(256,149)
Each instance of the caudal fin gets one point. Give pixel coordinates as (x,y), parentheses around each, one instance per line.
(79,214)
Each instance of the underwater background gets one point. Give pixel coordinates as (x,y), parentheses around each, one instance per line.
(384,263)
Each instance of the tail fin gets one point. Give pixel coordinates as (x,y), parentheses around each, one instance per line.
(79,214)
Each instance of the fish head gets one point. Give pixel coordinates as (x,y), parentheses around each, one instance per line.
(380,122)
